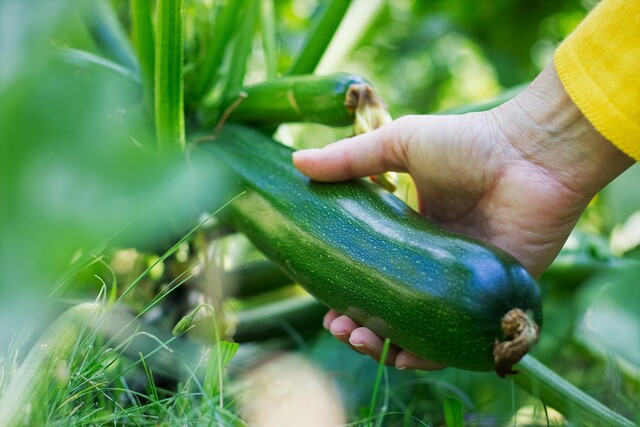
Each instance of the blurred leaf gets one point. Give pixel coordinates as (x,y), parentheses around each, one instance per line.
(320,37)
(108,34)
(609,326)
(453,412)
(582,255)
(72,178)
(622,196)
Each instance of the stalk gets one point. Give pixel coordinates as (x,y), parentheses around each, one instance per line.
(169,94)
(566,398)
(319,38)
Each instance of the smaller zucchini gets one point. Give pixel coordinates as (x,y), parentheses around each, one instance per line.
(307,98)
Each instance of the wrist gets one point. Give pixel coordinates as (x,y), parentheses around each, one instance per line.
(546,128)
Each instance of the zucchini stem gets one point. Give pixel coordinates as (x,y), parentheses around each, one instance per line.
(523,331)
(371,113)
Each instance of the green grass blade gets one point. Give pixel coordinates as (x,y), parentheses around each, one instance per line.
(143,39)
(108,34)
(320,37)
(22,401)
(575,404)
(169,95)
(223,30)
(379,374)
(269,38)
(453,412)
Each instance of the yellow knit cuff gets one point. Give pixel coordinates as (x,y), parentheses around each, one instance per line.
(599,66)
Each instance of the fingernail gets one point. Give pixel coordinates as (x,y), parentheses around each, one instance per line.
(400,367)
(338,333)
(356,344)
(305,152)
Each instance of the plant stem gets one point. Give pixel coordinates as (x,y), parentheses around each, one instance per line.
(169,94)
(565,397)
(320,37)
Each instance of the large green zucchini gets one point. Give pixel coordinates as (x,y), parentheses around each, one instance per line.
(362,251)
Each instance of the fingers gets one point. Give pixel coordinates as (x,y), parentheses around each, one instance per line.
(368,154)
(407,360)
(367,342)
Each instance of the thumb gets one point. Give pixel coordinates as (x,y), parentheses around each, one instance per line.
(363,155)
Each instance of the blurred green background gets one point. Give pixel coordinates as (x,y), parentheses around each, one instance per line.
(79,177)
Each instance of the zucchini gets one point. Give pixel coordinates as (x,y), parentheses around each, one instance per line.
(308,98)
(362,251)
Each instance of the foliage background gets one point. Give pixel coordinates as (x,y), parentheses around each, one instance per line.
(78,180)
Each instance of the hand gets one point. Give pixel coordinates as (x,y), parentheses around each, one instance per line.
(518,176)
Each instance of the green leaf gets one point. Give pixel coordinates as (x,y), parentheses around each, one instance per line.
(169,96)
(208,70)
(221,355)
(453,412)
(242,50)
(320,37)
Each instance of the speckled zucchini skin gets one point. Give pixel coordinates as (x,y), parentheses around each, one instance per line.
(362,251)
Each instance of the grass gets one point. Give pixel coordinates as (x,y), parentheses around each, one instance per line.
(126,369)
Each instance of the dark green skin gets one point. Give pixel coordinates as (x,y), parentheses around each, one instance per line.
(360,250)
(308,98)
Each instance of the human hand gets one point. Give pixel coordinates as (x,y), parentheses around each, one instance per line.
(517,176)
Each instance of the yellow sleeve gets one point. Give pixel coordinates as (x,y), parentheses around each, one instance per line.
(599,66)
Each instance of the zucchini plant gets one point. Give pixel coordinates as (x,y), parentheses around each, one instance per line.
(355,246)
